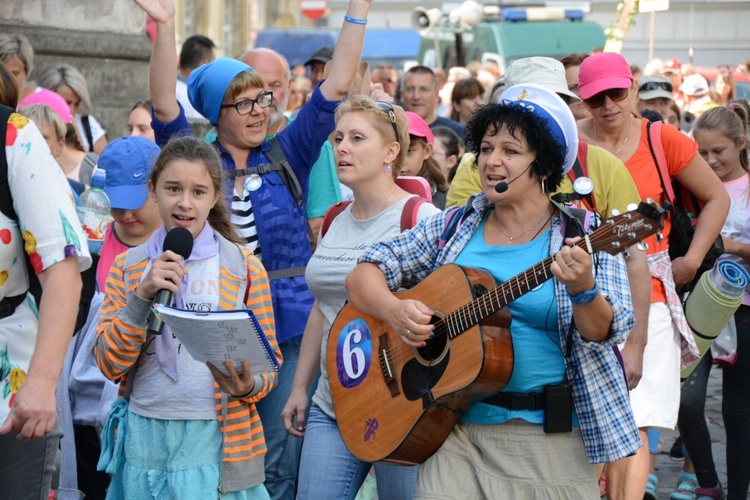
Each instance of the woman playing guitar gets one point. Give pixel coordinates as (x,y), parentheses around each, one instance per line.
(565,404)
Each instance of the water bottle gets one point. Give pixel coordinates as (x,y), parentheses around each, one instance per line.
(93,211)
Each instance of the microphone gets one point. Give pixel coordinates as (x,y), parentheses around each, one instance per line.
(180,241)
(502,187)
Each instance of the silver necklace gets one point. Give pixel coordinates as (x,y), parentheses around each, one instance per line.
(536,224)
(630,131)
(387,201)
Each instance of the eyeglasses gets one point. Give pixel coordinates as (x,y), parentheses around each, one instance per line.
(388,110)
(649,86)
(246,106)
(615,95)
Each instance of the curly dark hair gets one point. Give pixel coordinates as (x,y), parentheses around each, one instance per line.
(489,119)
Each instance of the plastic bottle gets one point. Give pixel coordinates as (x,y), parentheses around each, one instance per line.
(93,211)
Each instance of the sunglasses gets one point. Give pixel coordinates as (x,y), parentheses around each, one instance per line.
(615,95)
(647,87)
(388,110)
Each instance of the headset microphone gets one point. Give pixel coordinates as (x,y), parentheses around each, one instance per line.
(502,187)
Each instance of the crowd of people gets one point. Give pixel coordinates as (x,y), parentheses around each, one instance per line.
(297,200)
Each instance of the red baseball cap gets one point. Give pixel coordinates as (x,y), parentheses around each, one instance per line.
(419,128)
(671,65)
(600,72)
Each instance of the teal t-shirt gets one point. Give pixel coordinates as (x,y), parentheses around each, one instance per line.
(538,356)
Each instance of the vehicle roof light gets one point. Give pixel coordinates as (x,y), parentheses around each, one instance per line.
(515,14)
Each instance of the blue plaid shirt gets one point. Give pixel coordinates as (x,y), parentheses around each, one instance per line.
(600,393)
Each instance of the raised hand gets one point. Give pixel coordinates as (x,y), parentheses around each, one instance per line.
(161,11)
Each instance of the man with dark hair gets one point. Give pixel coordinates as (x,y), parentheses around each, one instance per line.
(317,63)
(419,94)
(196,51)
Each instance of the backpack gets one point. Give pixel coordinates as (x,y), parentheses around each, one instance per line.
(412,184)
(8,304)
(685,209)
(279,163)
(408,214)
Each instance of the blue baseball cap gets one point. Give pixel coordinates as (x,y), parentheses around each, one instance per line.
(207,85)
(128,162)
(546,105)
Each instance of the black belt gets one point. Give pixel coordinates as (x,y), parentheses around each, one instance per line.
(532,401)
(8,305)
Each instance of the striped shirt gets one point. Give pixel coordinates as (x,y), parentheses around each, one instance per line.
(600,393)
(243,219)
(121,334)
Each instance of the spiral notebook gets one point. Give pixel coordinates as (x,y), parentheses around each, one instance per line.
(219,336)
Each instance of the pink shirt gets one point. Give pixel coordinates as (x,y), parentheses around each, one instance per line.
(111,248)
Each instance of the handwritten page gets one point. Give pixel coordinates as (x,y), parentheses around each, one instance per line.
(219,336)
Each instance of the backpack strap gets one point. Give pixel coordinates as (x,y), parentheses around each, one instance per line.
(452,221)
(579,169)
(6,199)
(410,212)
(657,152)
(87,132)
(331,214)
(87,167)
(8,304)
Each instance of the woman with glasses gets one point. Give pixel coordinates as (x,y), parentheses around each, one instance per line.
(609,91)
(370,142)
(269,216)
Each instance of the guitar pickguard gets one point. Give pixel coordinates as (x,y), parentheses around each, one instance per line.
(417,379)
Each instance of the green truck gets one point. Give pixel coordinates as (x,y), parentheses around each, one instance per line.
(509,35)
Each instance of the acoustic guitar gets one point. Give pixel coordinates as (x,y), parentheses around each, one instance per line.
(397,404)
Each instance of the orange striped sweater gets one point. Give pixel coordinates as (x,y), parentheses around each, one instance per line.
(122,333)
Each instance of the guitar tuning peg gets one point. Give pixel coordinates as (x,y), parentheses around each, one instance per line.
(659,237)
(615,212)
(649,200)
(626,255)
(632,206)
(642,246)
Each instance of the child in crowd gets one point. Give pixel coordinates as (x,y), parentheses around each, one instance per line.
(447,151)
(419,160)
(128,163)
(139,121)
(187,431)
(721,134)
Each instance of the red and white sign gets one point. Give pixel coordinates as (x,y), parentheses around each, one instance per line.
(313,9)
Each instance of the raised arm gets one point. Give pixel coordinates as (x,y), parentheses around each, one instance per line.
(163,68)
(346,54)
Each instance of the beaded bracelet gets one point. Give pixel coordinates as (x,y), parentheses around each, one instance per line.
(354,20)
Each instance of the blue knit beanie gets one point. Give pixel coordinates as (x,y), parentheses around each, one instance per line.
(208,84)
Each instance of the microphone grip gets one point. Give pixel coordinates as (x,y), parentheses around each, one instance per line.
(155,325)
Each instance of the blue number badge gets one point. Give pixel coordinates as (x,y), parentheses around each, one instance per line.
(353,353)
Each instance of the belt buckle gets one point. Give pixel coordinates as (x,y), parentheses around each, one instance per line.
(520,401)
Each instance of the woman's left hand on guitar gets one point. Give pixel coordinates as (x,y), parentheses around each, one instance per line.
(572,267)
(410,320)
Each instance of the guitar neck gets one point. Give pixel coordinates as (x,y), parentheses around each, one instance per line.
(483,307)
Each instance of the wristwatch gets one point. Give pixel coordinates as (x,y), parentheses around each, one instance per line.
(585,297)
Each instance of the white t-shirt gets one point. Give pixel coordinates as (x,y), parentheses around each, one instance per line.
(737,225)
(182,97)
(155,394)
(334,258)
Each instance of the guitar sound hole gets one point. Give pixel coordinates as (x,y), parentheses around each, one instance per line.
(436,346)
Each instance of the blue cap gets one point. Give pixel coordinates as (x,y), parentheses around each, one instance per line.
(546,105)
(128,162)
(208,84)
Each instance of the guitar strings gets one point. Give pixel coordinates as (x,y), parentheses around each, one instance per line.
(442,326)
